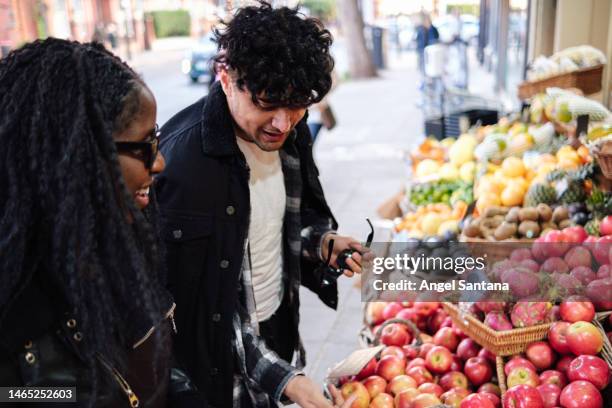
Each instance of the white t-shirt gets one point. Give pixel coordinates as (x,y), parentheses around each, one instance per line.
(268,198)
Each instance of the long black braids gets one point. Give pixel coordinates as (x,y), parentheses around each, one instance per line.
(63,201)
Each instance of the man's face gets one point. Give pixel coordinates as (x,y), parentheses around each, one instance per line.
(268,128)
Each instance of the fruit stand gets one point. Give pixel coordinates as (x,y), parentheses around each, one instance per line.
(533,191)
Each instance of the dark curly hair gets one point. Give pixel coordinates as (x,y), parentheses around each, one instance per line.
(279,55)
(63,200)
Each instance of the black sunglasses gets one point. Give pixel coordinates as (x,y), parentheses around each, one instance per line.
(146,151)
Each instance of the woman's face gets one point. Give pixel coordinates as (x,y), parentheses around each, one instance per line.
(137,177)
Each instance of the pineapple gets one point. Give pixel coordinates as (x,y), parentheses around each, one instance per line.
(540,193)
(592,227)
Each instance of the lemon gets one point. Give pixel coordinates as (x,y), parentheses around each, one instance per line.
(431,222)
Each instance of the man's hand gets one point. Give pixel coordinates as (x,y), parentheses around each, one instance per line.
(340,244)
(304,392)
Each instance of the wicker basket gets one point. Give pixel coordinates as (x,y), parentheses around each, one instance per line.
(500,343)
(368,339)
(588,80)
(494,252)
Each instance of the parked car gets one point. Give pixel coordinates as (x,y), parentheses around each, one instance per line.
(197,64)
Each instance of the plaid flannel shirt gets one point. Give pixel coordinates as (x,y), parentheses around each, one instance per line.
(262,375)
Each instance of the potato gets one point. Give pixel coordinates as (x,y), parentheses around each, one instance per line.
(529,229)
(505,230)
(528,214)
(545,212)
(513,215)
(559,214)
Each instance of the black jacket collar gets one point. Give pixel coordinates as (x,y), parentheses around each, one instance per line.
(218,136)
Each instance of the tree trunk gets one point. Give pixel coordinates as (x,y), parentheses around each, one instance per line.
(359,57)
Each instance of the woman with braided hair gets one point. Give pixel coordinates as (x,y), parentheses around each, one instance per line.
(82,299)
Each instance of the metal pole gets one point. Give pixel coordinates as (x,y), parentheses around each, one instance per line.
(502,44)
(124,4)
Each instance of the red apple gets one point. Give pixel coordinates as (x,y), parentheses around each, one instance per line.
(550,394)
(435,321)
(395,334)
(431,388)
(557,244)
(391,310)
(490,388)
(557,337)
(581,394)
(522,375)
(446,337)
(375,384)
(425,401)
(604,271)
(476,401)
(454,379)
(382,401)
(541,355)
(563,364)
(522,396)
(426,308)
(404,399)
(438,360)
(584,274)
(555,265)
(601,249)
(415,362)
(389,367)
(487,355)
(425,349)
(493,398)
(589,368)
(454,396)
(553,377)
(478,371)
(420,375)
(457,364)
(409,314)
(577,308)
(467,349)
(599,292)
(358,389)
(394,351)
(584,338)
(605,226)
(410,351)
(575,234)
(374,312)
(518,361)
(368,370)
(578,257)
(399,384)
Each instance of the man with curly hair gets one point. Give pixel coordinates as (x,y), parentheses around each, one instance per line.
(244,215)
